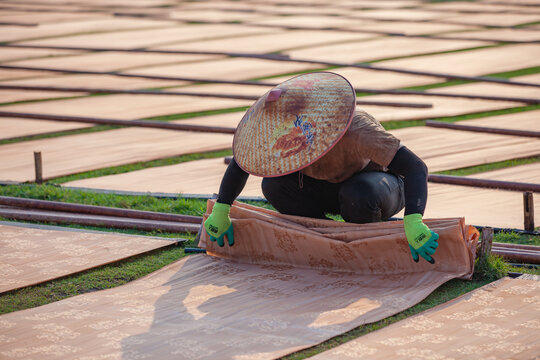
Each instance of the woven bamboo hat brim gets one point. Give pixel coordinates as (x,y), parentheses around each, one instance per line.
(294,124)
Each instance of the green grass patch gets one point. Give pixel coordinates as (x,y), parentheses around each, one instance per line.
(197,114)
(141,165)
(491,268)
(526,24)
(489,167)
(41,100)
(104,277)
(392,125)
(515,238)
(432,53)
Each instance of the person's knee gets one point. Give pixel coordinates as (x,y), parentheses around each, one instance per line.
(272,188)
(360,203)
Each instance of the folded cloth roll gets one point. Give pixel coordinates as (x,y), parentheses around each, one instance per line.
(266,237)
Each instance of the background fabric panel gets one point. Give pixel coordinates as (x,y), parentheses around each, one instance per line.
(30,256)
(497,321)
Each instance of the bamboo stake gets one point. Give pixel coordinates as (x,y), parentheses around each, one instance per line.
(486,243)
(38,166)
(528,211)
(513,132)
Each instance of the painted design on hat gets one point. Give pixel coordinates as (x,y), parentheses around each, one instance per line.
(294,124)
(298,136)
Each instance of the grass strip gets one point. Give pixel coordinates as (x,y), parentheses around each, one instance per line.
(434,53)
(98,128)
(197,114)
(184,206)
(515,238)
(392,125)
(504,75)
(51,135)
(42,100)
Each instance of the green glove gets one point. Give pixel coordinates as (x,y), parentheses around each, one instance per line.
(218,224)
(422,241)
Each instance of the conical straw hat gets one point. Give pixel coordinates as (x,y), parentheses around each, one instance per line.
(294,124)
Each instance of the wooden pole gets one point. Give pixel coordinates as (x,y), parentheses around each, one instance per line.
(96,210)
(137,123)
(38,167)
(528,211)
(483,183)
(94,220)
(490,130)
(486,243)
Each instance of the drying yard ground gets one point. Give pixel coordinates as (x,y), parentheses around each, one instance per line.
(447,52)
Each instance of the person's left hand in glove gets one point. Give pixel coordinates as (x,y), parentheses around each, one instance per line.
(422,241)
(218,224)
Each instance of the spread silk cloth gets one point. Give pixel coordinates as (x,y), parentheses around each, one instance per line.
(498,321)
(287,283)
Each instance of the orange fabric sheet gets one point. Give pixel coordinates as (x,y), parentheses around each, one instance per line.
(267,237)
(497,321)
(301,282)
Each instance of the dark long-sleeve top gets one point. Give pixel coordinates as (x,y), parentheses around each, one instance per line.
(405,164)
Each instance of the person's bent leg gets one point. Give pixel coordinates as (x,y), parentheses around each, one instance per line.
(371,196)
(297,194)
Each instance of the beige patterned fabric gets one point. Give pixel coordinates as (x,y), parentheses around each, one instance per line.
(261,299)
(498,321)
(29,256)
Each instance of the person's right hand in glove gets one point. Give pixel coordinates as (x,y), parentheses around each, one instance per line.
(218,224)
(422,241)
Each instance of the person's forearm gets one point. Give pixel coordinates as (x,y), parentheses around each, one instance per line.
(414,172)
(232,184)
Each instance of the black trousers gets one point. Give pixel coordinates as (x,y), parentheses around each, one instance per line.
(364,197)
